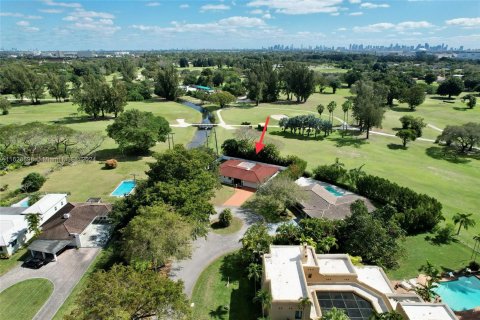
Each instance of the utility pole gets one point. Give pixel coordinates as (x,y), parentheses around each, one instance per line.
(215,134)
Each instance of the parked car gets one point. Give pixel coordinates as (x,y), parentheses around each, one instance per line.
(34,263)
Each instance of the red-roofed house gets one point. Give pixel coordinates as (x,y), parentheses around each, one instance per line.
(246,173)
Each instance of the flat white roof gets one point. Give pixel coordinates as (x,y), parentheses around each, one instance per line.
(428,311)
(374,277)
(45,203)
(334,264)
(283,269)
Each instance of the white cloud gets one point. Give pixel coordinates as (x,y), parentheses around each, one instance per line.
(23,23)
(335,14)
(257,11)
(355,1)
(62,4)
(18,15)
(369,5)
(184,6)
(298,6)
(214,7)
(153,4)
(50,10)
(358,13)
(342,29)
(464,22)
(267,16)
(101,22)
(402,26)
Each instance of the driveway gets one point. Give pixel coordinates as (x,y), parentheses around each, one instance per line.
(64,274)
(239,197)
(205,251)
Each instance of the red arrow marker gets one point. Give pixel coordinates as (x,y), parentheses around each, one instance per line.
(259,144)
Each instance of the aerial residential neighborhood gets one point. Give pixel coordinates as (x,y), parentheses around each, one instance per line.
(239,160)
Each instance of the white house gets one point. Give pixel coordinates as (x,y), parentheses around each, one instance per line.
(13,224)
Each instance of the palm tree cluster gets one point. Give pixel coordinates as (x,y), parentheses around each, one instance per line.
(306,123)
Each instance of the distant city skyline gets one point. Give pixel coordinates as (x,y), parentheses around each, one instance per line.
(253,24)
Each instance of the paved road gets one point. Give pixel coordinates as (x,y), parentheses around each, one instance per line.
(205,251)
(64,274)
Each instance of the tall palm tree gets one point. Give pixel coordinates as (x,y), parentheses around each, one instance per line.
(346,106)
(463,220)
(254,272)
(331,107)
(320,109)
(476,246)
(303,303)
(265,299)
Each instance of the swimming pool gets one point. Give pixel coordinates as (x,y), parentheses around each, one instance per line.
(23,203)
(124,188)
(337,192)
(461,294)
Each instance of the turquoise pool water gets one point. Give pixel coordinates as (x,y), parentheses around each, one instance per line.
(336,192)
(124,188)
(461,294)
(23,203)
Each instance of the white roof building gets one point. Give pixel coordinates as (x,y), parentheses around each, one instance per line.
(292,273)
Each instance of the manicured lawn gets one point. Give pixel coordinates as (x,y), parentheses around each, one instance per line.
(222,195)
(234,226)
(15,259)
(223,292)
(23,300)
(101,261)
(446,257)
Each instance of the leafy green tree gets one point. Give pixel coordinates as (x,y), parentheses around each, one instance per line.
(335,314)
(331,107)
(464,220)
(367,107)
(222,98)
(218,78)
(4,105)
(33,223)
(406,135)
(116,97)
(138,130)
(352,76)
(183,62)
(167,83)
(465,136)
(16,79)
(127,69)
(264,298)
(430,78)
(124,293)
(376,240)
(470,100)
(391,315)
(36,86)
(254,272)
(334,83)
(255,86)
(255,243)
(155,236)
(57,86)
(414,123)
(451,87)
(91,96)
(413,96)
(426,291)
(346,106)
(33,182)
(225,217)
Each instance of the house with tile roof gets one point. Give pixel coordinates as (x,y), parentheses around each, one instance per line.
(243,173)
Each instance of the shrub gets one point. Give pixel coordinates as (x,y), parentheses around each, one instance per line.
(474,265)
(4,187)
(444,235)
(33,182)
(111,164)
(34,197)
(5,112)
(333,173)
(225,218)
(245,123)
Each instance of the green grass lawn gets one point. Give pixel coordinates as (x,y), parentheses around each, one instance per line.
(23,300)
(449,257)
(222,195)
(14,260)
(223,292)
(234,226)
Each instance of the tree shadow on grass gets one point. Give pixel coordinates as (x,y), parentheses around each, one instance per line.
(460,108)
(444,99)
(79,119)
(241,305)
(448,154)
(401,109)
(219,313)
(106,154)
(395,146)
(297,136)
(349,139)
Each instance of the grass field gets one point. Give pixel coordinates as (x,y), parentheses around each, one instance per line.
(23,300)
(222,195)
(223,292)
(15,259)
(77,179)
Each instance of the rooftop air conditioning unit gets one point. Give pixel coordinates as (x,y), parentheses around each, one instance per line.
(66,215)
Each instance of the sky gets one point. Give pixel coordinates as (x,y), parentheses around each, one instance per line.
(234,24)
